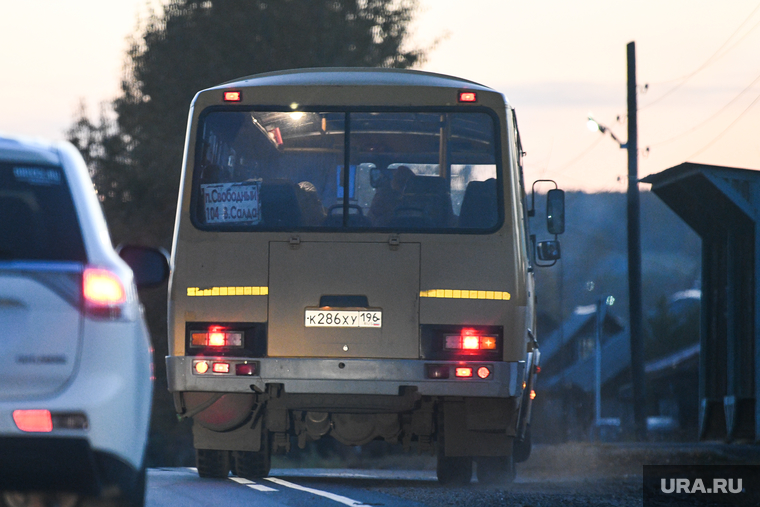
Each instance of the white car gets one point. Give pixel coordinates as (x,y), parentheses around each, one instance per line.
(76,375)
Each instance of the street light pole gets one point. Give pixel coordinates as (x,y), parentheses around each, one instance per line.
(634,247)
(634,255)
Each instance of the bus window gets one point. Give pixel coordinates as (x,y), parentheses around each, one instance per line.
(407,171)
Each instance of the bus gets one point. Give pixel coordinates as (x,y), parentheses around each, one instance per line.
(352,260)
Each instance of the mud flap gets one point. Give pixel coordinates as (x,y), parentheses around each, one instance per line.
(479,427)
(245,438)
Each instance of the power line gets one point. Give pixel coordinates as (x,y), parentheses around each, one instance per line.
(583,154)
(714,57)
(716,114)
(727,128)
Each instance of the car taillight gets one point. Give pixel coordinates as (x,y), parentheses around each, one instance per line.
(34,421)
(103,292)
(216,337)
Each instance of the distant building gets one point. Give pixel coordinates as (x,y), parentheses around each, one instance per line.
(567,383)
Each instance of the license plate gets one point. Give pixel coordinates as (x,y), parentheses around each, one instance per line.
(344,318)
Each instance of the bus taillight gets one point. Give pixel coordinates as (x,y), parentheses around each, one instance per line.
(463,372)
(216,337)
(469,340)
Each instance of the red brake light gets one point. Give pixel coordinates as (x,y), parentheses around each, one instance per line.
(468,97)
(484,372)
(463,372)
(469,341)
(216,337)
(234,96)
(103,287)
(38,421)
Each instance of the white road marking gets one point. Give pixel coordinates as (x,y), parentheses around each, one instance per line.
(260,487)
(251,484)
(240,480)
(326,494)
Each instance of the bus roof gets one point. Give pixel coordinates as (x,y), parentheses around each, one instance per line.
(348,76)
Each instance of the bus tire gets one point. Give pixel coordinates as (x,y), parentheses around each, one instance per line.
(454,470)
(212,464)
(495,470)
(250,464)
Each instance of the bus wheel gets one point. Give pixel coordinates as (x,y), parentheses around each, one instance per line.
(212,464)
(495,470)
(251,465)
(455,471)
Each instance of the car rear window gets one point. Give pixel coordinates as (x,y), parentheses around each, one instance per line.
(38,220)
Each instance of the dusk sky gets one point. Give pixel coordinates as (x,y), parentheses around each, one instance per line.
(556,61)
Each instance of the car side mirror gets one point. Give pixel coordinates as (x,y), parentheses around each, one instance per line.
(149,265)
(548,250)
(555,211)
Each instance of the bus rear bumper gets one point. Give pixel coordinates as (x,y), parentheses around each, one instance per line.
(349,376)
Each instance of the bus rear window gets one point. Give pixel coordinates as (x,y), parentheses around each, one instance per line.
(407,171)
(39,220)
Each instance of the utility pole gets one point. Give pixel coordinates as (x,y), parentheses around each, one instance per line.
(634,255)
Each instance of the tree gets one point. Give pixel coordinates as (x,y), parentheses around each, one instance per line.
(134,148)
(193,44)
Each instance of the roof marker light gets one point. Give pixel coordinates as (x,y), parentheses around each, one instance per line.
(234,96)
(468,97)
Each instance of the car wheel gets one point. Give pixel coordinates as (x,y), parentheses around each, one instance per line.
(454,471)
(251,465)
(495,470)
(135,497)
(212,464)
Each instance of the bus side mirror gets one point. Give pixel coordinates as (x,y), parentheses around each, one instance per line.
(150,266)
(548,250)
(555,212)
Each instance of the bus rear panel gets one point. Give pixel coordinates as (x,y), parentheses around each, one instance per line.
(350,261)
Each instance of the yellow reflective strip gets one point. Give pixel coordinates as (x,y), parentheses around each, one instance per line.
(466,294)
(228,291)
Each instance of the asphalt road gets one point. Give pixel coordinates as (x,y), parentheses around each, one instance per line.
(567,475)
(179,487)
